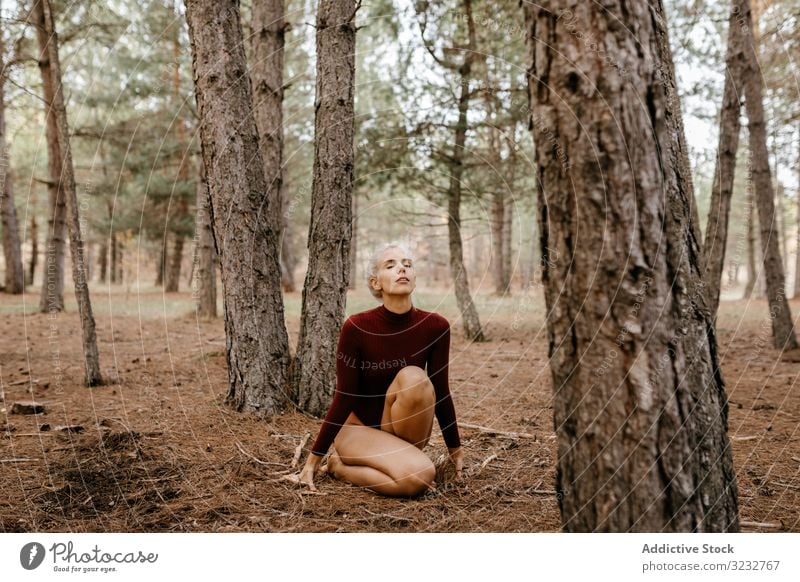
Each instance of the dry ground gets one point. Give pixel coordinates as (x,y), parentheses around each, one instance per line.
(159,450)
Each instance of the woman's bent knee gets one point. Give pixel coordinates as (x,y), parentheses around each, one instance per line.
(418,481)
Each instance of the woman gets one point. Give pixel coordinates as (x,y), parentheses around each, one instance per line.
(391,378)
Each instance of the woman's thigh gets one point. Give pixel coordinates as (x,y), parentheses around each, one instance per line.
(363,445)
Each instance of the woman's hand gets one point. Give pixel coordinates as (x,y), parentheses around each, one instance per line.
(306,475)
(457,458)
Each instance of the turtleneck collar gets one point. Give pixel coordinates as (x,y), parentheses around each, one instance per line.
(398,317)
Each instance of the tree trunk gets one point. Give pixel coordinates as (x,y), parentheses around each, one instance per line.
(52,296)
(497,224)
(797,240)
(353,282)
(268,28)
(161,266)
(120,259)
(90,354)
(469,314)
(181,217)
(174,271)
(782,328)
(12,246)
(287,242)
(34,250)
(330,229)
(752,273)
(722,189)
(257,342)
(639,402)
(205,273)
(103,261)
(508,222)
(114,258)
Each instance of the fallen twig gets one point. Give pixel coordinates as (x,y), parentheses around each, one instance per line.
(21,460)
(746,438)
(488,460)
(299,450)
(796,459)
(489,430)
(787,485)
(256,459)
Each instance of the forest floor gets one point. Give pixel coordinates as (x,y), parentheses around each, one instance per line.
(157,450)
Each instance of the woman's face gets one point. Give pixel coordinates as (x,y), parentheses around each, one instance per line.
(395,274)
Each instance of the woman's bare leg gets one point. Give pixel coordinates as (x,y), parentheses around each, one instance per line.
(373,458)
(409,407)
(390,460)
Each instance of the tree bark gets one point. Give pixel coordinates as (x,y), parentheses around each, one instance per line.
(469,314)
(161,266)
(103,259)
(722,189)
(90,354)
(34,250)
(257,342)
(12,246)
(114,258)
(752,273)
(268,28)
(330,229)
(287,242)
(176,260)
(508,224)
(639,402)
(353,282)
(52,296)
(783,334)
(205,273)
(178,222)
(797,240)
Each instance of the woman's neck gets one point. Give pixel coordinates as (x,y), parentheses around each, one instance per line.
(397,304)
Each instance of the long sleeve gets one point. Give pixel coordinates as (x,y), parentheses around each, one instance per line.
(438,371)
(348,360)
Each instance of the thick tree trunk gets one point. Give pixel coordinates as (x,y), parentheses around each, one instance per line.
(330,229)
(639,402)
(205,274)
(257,342)
(90,354)
(176,260)
(34,250)
(12,247)
(469,314)
(783,334)
(52,296)
(722,189)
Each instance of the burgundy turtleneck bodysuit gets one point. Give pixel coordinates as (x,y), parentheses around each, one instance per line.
(373,347)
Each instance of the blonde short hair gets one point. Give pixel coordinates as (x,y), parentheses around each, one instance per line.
(372,266)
